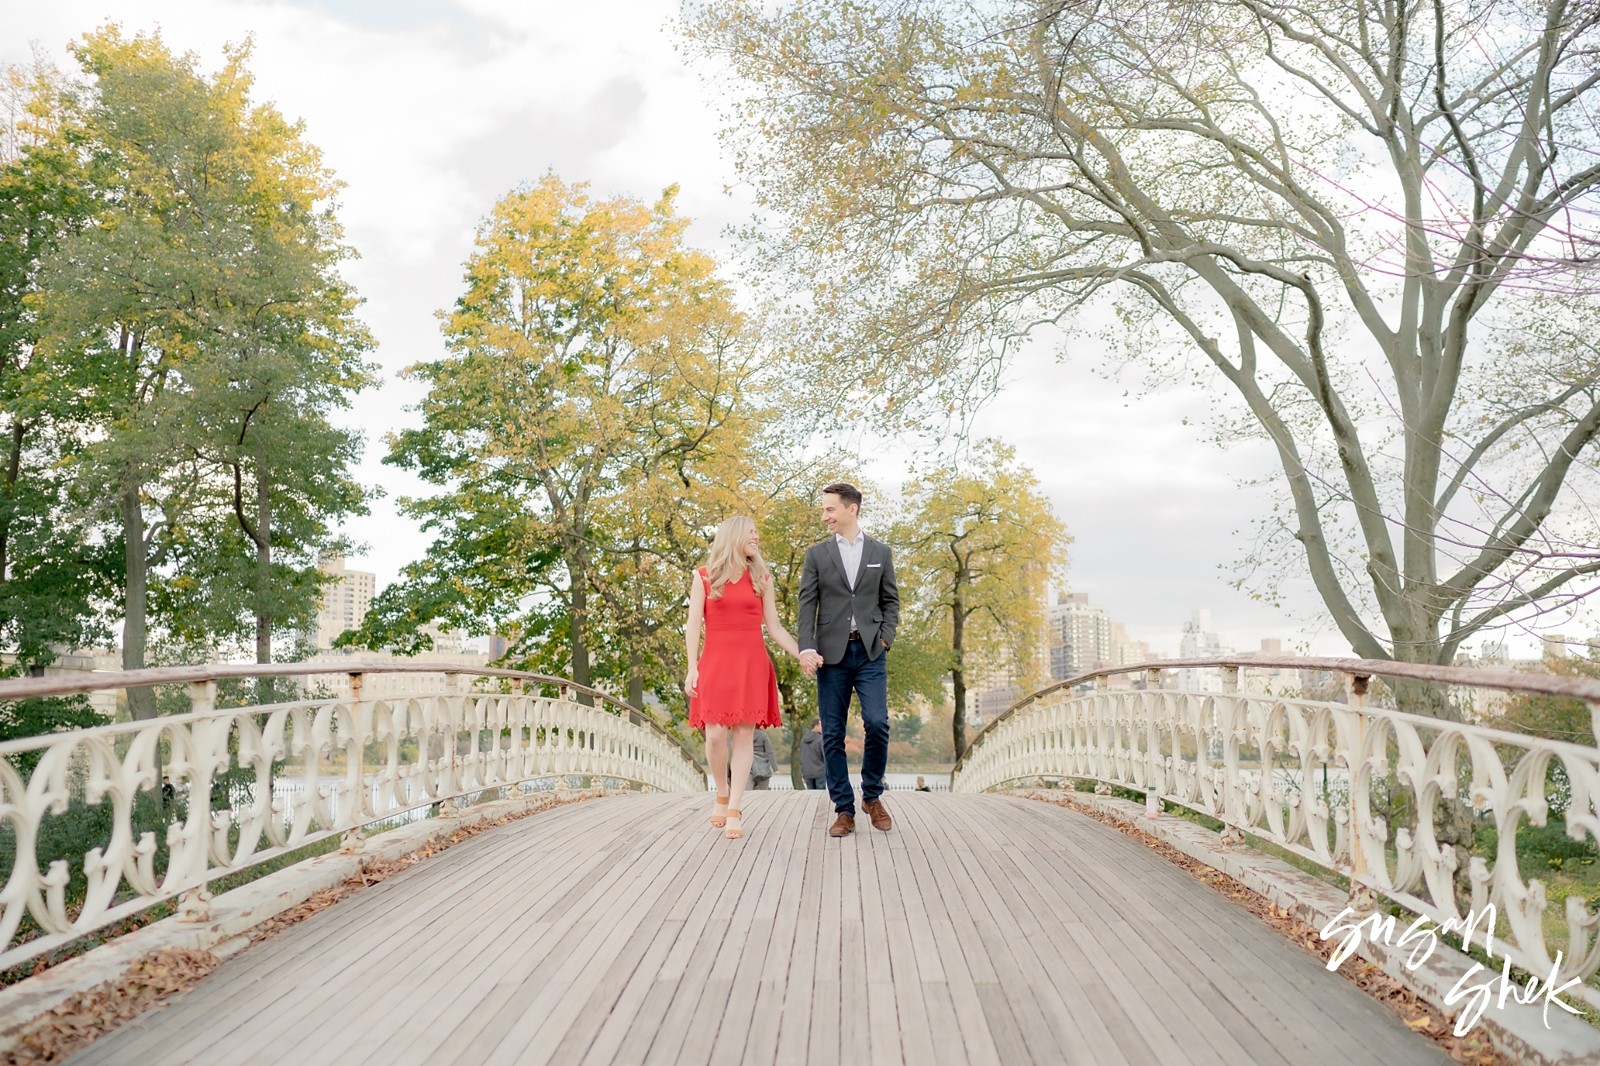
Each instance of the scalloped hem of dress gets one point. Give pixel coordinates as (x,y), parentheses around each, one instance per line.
(732,720)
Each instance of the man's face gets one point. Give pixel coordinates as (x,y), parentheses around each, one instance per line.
(836,512)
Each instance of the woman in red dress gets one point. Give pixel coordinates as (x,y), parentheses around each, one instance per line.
(731,684)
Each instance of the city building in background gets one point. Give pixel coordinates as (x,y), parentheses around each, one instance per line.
(345,600)
(1083,637)
(1200,641)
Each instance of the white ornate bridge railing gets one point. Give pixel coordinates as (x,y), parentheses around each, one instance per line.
(1442,817)
(98,824)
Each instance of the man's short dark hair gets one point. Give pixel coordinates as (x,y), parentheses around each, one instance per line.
(845,491)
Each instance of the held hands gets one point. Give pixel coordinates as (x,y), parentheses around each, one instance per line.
(809,661)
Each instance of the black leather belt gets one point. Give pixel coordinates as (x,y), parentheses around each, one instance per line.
(856,636)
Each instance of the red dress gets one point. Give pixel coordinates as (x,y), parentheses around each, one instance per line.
(737,684)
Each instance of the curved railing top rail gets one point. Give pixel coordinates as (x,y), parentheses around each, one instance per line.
(1582,688)
(22,688)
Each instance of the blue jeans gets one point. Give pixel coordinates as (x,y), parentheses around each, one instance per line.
(869,679)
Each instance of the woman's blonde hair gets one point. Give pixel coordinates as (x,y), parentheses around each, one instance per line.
(727,560)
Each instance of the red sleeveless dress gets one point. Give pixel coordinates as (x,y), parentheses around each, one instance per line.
(737,684)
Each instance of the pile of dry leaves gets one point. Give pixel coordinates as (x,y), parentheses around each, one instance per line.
(154,978)
(1421,1016)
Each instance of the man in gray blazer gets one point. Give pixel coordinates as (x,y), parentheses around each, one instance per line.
(849,611)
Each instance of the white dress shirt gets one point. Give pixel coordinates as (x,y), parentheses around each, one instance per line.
(851,551)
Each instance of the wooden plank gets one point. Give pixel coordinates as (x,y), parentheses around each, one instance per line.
(731,1047)
(1070,978)
(899,1018)
(456,993)
(1268,983)
(822,1039)
(689,967)
(735,914)
(457,914)
(1014,1017)
(856,939)
(1240,1007)
(797,1001)
(1050,1026)
(1129,979)
(624,1014)
(327,944)
(597,1024)
(506,1034)
(962,971)
(766,1012)
(1225,933)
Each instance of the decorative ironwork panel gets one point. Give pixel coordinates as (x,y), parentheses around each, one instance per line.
(99,824)
(1426,811)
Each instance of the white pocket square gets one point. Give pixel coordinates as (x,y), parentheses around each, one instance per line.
(870,565)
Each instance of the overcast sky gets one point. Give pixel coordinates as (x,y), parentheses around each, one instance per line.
(430,111)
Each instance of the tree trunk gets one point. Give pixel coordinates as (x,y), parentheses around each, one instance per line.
(578,574)
(141,701)
(13,472)
(636,674)
(958,672)
(263,562)
(1421,645)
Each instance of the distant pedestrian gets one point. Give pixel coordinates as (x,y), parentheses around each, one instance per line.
(922,785)
(812,766)
(762,764)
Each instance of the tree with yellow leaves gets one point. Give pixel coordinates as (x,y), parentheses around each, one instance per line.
(590,418)
(977,549)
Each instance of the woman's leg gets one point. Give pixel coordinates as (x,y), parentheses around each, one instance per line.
(717,756)
(743,756)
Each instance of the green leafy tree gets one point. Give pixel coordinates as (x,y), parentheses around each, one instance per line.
(978,549)
(198,324)
(57,572)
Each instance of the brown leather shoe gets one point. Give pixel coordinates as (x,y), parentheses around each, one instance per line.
(843,825)
(879,815)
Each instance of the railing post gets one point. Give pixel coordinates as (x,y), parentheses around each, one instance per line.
(1231,834)
(1362,899)
(195,905)
(202,697)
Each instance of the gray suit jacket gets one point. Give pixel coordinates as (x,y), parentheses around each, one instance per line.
(827,602)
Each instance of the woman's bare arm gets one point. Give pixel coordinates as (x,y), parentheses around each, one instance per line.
(780,636)
(691,631)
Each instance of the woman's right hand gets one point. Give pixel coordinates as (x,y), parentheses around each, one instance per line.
(691,680)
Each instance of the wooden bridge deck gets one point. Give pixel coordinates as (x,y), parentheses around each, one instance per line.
(982,929)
